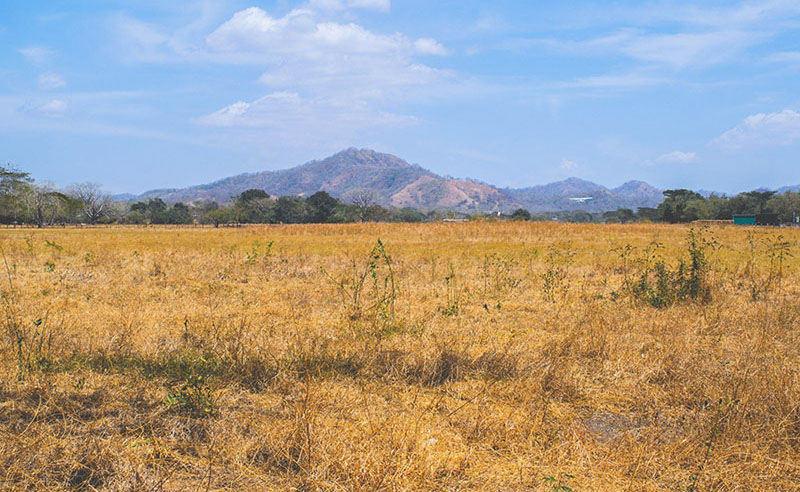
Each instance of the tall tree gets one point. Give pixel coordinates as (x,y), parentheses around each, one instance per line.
(761,198)
(674,207)
(13,184)
(521,214)
(42,203)
(362,200)
(290,210)
(95,202)
(323,206)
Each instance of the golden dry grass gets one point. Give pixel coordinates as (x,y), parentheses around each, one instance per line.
(504,356)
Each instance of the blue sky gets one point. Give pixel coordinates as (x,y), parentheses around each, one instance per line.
(145,94)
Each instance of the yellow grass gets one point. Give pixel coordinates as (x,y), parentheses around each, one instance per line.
(505,356)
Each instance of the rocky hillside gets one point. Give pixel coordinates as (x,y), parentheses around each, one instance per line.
(397,183)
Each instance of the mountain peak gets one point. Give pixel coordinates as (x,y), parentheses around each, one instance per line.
(635,185)
(355,158)
(396,182)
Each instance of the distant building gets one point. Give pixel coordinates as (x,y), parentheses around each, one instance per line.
(757,219)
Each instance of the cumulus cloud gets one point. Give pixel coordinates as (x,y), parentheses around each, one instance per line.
(677,157)
(254,35)
(319,70)
(337,74)
(782,128)
(50,81)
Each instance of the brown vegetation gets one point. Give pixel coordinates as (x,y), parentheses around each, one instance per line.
(499,356)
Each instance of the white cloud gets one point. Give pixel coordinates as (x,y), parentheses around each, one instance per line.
(50,81)
(323,74)
(53,108)
(677,157)
(290,115)
(671,36)
(255,36)
(36,54)
(568,165)
(688,49)
(762,129)
(142,41)
(428,46)
(674,50)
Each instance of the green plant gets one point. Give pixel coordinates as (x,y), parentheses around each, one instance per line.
(500,276)
(370,292)
(775,253)
(559,484)
(194,397)
(255,252)
(660,286)
(52,244)
(452,294)
(554,279)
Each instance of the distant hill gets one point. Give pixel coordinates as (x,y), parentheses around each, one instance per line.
(574,193)
(397,183)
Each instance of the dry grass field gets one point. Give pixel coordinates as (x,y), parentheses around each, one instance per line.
(496,356)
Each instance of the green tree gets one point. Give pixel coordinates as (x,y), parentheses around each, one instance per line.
(290,210)
(719,207)
(521,214)
(621,215)
(254,207)
(154,210)
(218,216)
(251,195)
(673,208)
(180,213)
(322,207)
(408,214)
(13,186)
(761,198)
(697,209)
(649,214)
(786,205)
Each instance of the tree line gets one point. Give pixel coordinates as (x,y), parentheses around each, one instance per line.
(681,206)
(26,201)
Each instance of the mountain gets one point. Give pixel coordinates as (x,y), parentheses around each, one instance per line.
(795,188)
(339,174)
(575,194)
(397,183)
